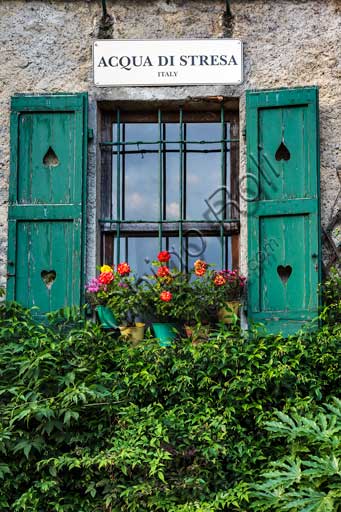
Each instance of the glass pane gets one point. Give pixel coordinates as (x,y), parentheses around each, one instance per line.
(141,173)
(139,252)
(203,170)
(172,162)
(229,252)
(207,248)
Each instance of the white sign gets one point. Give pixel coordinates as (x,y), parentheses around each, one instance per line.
(180,62)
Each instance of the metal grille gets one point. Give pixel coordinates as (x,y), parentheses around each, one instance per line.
(222,222)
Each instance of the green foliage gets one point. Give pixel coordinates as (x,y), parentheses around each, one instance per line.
(117,290)
(308,478)
(90,424)
(331,290)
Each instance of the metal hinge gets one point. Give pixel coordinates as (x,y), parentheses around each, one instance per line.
(90,133)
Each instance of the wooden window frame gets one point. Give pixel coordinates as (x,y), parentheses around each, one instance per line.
(130,112)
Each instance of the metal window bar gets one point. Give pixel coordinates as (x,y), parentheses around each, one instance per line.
(121,144)
(164,141)
(181,183)
(118,191)
(161,181)
(223,183)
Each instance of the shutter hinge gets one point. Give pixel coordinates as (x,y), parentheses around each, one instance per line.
(244,133)
(90,133)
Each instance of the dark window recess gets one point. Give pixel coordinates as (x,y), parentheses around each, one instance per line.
(169,180)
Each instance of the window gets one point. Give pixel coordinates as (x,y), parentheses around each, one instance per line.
(169,181)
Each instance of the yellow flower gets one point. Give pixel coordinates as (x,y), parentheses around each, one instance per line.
(106,268)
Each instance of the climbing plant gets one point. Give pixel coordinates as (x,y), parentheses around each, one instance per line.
(88,423)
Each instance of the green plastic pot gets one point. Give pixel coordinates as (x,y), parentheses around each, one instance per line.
(106,317)
(165,332)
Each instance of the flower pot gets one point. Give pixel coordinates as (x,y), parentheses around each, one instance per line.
(135,333)
(197,334)
(106,317)
(165,332)
(226,315)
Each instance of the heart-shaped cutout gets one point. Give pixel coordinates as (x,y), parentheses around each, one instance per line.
(50,159)
(284,272)
(282,153)
(49,277)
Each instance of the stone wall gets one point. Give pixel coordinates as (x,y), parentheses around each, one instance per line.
(46,47)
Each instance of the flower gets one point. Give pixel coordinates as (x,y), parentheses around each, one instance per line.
(163,256)
(123,269)
(219,280)
(163,272)
(105,277)
(200,268)
(166,296)
(106,268)
(123,285)
(93,286)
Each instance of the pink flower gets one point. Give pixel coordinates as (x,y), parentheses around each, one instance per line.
(93,286)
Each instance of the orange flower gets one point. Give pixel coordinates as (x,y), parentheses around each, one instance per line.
(163,256)
(105,277)
(166,296)
(219,280)
(200,268)
(123,269)
(163,272)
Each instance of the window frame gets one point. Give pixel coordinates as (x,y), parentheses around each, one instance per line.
(162,113)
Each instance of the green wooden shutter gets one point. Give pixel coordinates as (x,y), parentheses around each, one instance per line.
(46,201)
(283,208)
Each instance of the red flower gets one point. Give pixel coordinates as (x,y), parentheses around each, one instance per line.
(163,256)
(200,268)
(219,280)
(166,296)
(105,277)
(123,269)
(163,272)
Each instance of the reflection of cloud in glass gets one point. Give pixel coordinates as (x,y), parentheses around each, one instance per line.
(173,210)
(192,179)
(136,200)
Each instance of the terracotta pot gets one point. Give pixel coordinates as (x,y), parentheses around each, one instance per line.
(197,334)
(135,333)
(226,315)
